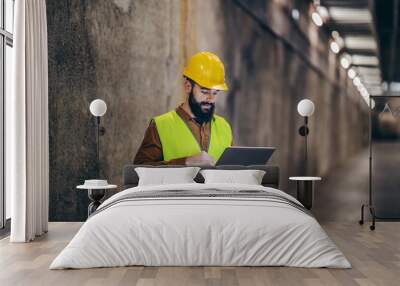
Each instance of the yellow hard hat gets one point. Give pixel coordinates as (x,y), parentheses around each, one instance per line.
(207,70)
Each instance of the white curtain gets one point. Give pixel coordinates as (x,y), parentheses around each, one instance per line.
(27,123)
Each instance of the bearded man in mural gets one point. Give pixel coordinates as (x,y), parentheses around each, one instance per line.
(192,134)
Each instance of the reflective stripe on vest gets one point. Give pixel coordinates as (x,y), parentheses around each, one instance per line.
(177,140)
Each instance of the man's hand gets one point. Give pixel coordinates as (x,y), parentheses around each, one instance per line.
(201,159)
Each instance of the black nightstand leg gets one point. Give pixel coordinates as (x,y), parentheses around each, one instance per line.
(361,221)
(95,196)
(305,193)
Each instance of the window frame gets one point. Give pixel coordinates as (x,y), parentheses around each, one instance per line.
(6,39)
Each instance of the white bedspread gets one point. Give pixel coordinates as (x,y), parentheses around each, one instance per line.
(200,231)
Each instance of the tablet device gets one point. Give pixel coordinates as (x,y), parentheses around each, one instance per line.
(246,156)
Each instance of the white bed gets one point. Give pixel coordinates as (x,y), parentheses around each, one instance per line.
(185,230)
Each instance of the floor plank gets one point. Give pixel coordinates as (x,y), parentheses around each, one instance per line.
(375,257)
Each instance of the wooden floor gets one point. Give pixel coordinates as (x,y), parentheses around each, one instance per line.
(374,255)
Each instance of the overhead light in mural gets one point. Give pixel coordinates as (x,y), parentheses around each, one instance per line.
(356,81)
(345,61)
(316,19)
(364,93)
(351,73)
(334,47)
(335,34)
(323,12)
(338,39)
(372,104)
(295,14)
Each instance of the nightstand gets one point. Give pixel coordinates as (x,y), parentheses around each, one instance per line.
(96,192)
(305,189)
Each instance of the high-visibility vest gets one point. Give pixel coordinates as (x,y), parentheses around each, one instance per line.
(178,141)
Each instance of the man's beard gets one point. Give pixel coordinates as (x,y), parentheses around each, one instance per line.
(200,115)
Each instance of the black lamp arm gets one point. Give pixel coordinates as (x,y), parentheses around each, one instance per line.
(303,130)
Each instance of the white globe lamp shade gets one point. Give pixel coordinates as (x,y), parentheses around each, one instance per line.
(98,107)
(305,107)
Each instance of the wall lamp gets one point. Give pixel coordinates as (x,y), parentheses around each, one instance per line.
(98,108)
(305,108)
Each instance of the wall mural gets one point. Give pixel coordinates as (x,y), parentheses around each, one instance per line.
(102,50)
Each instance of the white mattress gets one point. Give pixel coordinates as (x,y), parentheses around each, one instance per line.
(200,231)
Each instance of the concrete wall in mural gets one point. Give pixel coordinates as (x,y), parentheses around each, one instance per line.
(131,54)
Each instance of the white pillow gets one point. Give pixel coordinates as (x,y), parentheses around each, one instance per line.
(249,177)
(162,176)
